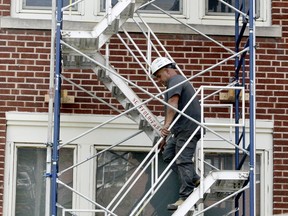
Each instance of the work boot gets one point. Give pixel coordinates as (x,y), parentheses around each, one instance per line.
(196,182)
(174,206)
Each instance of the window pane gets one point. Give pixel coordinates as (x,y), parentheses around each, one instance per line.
(44,4)
(214,6)
(30,181)
(168,5)
(115,168)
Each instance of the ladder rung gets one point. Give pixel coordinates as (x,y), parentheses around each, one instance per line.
(143,124)
(102,76)
(113,28)
(76,61)
(116,92)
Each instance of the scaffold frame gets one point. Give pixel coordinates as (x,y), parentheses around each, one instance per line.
(238,54)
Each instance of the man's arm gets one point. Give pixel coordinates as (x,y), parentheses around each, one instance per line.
(170,113)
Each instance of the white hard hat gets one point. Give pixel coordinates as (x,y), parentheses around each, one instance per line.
(159,63)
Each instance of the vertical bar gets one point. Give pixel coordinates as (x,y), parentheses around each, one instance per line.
(108,8)
(252,98)
(202,147)
(237,83)
(237,5)
(57,101)
(50,111)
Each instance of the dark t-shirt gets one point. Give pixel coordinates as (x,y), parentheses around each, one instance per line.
(185,92)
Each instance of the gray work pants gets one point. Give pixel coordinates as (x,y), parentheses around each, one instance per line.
(184,165)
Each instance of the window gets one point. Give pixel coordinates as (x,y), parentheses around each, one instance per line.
(167,5)
(42,4)
(38,9)
(31,182)
(115,167)
(215,12)
(217,8)
(173,6)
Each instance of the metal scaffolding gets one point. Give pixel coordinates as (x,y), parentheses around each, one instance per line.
(80,49)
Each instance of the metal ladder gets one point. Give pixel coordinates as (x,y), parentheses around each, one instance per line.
(89,43)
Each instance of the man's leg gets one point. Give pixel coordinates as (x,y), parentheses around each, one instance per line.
(187,174)
(169,153)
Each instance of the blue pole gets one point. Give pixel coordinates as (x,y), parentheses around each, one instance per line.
(237,79)
(252,97)
(236,94)
(57,103)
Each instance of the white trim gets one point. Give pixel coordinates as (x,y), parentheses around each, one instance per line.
(74,124)
(35,125)
(169,28)
(193,13)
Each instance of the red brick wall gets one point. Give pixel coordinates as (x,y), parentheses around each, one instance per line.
(24,80)
(5,7)
(279,88)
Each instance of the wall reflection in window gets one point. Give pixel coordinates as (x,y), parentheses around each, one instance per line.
(114,168)
(167,5)
(31,181)
(44,4)
(214,6)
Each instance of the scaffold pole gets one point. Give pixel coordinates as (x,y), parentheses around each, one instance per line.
(57,102)
(252,98)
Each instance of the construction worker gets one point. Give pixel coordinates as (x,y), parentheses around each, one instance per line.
(164,71)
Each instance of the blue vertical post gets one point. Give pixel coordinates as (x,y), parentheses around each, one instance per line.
(57,103)
(236,94)
(237,84)
(252,97)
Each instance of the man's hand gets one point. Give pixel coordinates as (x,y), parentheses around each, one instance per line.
(170,113)
(164,131)
(162,144)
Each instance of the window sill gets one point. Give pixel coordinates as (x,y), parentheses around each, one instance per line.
(17,23)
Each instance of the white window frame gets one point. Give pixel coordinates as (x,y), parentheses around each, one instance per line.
(30,130)
(10,180)
(85,12)
(193,13)
(199,9)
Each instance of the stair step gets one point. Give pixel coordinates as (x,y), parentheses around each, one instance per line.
(144,125)
(117,93)
(76,61)
(128,106)
(122,92)
(91,41)
(223,188)
(126,96)
(113,28)
(102,76)
(217,184)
